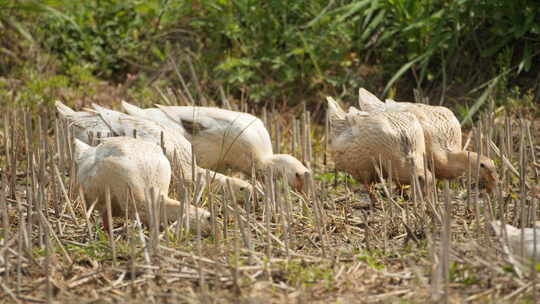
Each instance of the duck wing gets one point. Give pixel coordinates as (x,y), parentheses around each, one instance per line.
(82,123)
(153,114)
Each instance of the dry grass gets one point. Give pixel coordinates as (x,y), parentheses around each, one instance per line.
(326,245)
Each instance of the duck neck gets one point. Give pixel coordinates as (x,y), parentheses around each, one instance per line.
(269,161)
(172,209)
(457,164)
(276,161)
(214,176)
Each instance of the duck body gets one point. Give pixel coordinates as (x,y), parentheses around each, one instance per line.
(224,139)
(123,165)
(531,251)
(361,147)
(360,140)
(177,148)
(443,139)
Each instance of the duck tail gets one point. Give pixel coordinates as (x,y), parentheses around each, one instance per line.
(132,109)
(63,110)
(80,148)
(334,109)
(369,102)
(111,118)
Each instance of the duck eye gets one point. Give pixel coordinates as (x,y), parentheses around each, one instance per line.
(482,166)
(242,188)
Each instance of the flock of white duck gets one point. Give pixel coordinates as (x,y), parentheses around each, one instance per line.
(401,138)
(129,155)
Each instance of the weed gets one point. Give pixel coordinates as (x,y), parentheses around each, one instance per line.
(371,260)
(301,275)
(463,275)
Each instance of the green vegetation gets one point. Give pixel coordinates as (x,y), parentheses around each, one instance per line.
(272,51)
(304,275)
(371,261)
(461,274)
(339,177)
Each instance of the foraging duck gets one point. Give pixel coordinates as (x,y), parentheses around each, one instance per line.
(359,139)
(530,253)
(227,139)
(442,133)
(177,148)
(124,164)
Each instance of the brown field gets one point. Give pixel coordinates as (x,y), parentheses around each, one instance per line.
(329,245)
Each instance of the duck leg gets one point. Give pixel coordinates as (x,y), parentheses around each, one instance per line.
(401,190)
(106,225)
(372,197)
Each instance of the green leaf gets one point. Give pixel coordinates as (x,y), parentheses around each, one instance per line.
(402,70)
(22,30)
(525,63)
(426,21)
(58,14)
(480,101)
(350,9)
(232,63)
(297,51)
(373,25)
(492,50)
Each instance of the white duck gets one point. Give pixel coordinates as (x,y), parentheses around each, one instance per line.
(177,148)
(530,253)
(123,164)
(442,133)
(360,139)
(226,139)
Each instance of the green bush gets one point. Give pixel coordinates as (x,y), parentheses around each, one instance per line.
(276,49)
(104,34)
(457,40)
(291,50)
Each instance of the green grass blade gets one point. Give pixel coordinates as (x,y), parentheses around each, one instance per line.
(479,102)
(21,30)
(350,10)
(378,19)
(402,70)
